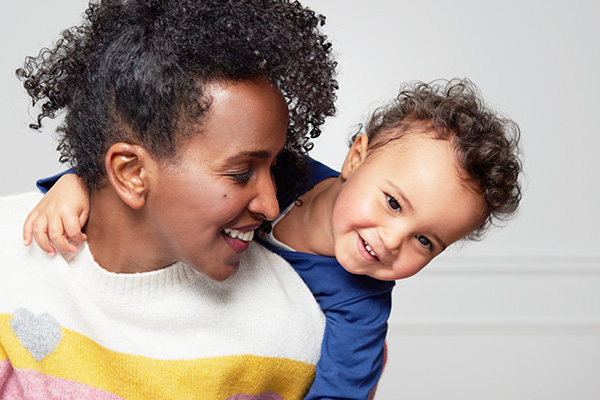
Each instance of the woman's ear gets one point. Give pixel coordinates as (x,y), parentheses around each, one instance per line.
(356,155)
(127,167)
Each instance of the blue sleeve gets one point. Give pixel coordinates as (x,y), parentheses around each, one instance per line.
(352,350)
(45,184)
(356,309)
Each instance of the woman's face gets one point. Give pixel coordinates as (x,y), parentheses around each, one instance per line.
(206,205)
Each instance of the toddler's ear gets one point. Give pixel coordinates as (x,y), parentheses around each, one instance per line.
(356,155)
(127,169)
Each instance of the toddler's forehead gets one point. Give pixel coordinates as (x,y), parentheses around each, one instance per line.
(425,131)
(396,145)
(398,140)
(406,132)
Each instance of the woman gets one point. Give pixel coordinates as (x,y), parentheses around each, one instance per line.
(175,112)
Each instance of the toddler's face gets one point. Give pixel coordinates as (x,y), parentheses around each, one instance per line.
(401,207)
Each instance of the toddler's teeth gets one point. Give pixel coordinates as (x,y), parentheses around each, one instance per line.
(369,249)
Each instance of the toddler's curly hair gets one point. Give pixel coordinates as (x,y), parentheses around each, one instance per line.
(486,143)
(137,69)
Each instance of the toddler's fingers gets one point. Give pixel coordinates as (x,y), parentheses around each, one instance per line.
(83,217)
(28,228)
(72,229)
(40,234)
(56,232)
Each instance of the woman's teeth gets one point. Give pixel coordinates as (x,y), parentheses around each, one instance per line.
(369,249)
(235,234)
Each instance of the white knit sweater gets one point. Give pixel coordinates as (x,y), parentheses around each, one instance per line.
(71,330)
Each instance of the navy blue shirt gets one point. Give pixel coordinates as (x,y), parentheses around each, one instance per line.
(356,309)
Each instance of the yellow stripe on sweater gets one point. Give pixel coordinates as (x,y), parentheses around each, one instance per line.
(80,359)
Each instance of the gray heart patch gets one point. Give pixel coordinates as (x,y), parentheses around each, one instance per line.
(39,334)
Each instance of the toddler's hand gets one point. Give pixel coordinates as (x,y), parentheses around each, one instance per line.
(59,217)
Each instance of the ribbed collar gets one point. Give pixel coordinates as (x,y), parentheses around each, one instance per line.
(128,289)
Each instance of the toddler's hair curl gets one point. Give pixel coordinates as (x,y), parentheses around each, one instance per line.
(486,144)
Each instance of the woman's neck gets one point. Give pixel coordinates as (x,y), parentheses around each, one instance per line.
(307,227)
(117,238)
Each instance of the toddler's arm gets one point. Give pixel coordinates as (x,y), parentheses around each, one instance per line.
(59,217)
(351,361)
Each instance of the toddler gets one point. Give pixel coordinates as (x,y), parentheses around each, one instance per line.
(432,167)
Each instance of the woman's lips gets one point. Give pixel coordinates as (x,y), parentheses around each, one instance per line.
(246,236)
(238,240)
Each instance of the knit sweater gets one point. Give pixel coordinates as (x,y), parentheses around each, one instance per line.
(71,330)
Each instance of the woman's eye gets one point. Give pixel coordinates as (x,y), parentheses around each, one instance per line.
(393,203)
(244,177)
(424,241)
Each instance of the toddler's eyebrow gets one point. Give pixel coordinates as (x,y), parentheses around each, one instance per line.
(436,237)
(401,194)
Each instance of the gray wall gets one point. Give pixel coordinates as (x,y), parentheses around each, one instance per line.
(25,27)
(516,316)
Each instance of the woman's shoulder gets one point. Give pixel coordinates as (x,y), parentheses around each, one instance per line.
(13,211)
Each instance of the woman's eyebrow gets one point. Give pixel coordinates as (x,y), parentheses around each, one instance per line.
(261,154)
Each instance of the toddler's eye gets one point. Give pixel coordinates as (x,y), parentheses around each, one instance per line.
(424,241)
(393,203)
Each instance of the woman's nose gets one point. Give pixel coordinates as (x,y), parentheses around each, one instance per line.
(265,200)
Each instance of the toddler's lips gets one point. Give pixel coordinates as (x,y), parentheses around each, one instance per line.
(369,249)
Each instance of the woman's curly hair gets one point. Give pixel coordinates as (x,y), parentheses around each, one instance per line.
(134,69)
(486,144)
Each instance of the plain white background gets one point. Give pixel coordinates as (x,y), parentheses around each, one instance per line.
(516,316)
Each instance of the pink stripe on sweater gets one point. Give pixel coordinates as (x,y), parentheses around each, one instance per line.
(33,385)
